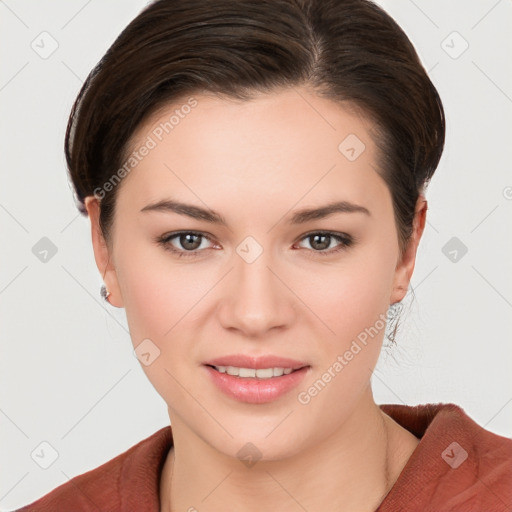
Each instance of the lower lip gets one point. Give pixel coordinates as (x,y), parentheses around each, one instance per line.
(254,390)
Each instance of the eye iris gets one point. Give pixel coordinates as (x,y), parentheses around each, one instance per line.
(320,245)
(187,241)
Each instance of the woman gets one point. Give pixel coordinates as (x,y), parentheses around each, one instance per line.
(255,175)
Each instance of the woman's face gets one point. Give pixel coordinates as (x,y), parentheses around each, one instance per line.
(252,279)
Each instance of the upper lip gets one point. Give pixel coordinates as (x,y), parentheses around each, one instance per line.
(257,362)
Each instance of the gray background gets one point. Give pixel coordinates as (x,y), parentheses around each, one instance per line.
(67,370)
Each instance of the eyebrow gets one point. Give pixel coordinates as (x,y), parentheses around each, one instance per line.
(196,212)
(299,217)
(308,214)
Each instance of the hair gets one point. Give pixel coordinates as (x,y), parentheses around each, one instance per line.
(349,51)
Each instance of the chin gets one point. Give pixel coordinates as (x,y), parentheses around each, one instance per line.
(261,439)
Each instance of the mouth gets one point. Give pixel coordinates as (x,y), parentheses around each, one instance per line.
(260,373)
(256,380)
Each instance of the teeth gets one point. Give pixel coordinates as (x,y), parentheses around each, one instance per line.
(262,373)
(231,370)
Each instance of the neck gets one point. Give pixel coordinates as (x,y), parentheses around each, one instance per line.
(363,458)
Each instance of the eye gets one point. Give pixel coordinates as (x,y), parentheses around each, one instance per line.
(191,243)
(185,243)
(324,242)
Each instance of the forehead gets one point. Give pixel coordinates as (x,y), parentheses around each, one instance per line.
(283,145)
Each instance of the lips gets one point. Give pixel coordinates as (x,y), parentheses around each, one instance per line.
(254,390)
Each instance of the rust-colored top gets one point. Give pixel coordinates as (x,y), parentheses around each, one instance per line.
(457,466)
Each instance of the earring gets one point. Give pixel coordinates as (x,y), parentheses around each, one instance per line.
(105,293)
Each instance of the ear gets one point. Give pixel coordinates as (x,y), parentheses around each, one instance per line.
(102,253)
(405,266)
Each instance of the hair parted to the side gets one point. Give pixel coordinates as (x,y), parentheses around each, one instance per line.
(349,51)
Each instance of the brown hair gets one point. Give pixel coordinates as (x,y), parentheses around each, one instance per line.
(345,50)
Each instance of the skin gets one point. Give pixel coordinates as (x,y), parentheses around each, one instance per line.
(256,163)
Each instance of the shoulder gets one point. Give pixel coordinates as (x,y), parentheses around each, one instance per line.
(132,475)
(458,465)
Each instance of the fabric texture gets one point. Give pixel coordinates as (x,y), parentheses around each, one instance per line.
(457,466)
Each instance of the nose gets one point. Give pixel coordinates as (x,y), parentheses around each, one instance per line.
(256,299)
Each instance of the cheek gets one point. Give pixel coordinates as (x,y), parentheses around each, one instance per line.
(353,302)
(156,297)
(156,291)
(164,302)
(348,298)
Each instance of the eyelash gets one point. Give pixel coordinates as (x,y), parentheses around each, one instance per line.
(345,241)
